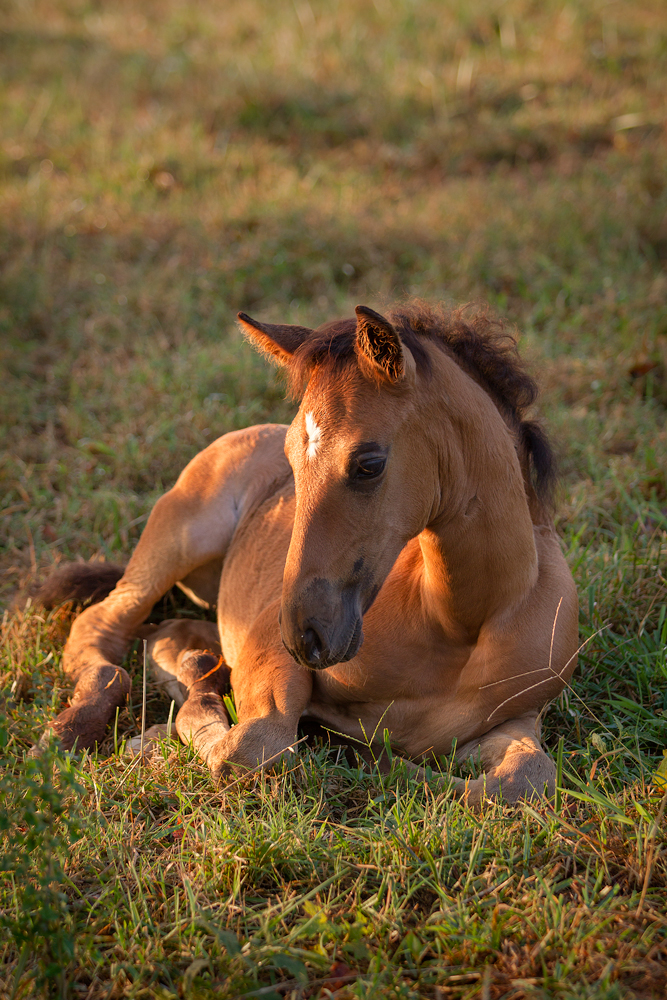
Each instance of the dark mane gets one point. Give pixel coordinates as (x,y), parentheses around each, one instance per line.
(480,345)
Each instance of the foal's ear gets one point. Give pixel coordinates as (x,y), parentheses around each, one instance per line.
(379,343)
(276,339)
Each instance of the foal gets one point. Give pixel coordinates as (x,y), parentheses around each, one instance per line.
(388,560)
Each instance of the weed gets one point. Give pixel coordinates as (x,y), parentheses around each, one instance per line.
(37,828)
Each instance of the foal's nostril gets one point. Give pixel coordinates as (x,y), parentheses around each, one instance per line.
(312,646)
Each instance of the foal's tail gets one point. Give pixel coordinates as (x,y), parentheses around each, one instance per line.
(81,583)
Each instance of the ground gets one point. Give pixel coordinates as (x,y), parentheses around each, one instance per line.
(163,165)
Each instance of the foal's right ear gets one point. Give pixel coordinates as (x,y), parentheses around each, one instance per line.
(379,344)
(277,339)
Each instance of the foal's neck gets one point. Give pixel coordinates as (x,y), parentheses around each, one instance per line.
(478,551)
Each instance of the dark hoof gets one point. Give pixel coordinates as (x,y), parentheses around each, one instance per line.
(80,726)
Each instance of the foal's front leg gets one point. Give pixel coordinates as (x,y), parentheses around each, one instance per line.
(514,763)
(271,692)
(187,662)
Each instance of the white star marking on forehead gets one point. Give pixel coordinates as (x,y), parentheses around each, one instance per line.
(314,436)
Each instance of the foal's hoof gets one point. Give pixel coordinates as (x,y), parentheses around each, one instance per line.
(244,752)
(223,770)
(154,739)
(80,726)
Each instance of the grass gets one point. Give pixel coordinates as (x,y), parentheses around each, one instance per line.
(161,167)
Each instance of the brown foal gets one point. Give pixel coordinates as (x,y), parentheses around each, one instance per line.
(388,561)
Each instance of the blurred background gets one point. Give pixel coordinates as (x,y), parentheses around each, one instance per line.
(164,164)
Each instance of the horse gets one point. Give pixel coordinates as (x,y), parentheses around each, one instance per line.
(387,562)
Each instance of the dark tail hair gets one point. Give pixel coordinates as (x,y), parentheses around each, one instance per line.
(81,583)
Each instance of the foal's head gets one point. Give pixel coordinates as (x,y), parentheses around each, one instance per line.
(364,482)
(368,451)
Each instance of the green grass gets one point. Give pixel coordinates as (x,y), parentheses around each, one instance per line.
(164,165)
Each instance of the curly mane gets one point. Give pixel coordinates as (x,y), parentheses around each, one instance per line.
(480,345)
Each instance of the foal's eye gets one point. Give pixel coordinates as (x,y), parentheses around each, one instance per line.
(369,468)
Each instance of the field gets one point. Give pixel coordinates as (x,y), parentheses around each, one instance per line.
(163,165)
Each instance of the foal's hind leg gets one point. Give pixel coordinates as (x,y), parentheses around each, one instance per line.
(515,765)
(188,528)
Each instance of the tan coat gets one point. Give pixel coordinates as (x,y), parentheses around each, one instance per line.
(382,564)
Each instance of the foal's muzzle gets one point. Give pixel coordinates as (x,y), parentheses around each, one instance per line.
(314,651)
(331,633)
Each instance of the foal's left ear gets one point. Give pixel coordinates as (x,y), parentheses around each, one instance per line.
(379,343)
(277,339)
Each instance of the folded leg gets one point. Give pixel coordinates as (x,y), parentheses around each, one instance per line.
(189,527)
(271,692)
(187,661)
(270,689)
(515,765)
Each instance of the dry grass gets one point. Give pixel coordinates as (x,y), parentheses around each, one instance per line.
(161,167)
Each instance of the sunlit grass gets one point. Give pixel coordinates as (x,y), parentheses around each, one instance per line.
(163,165)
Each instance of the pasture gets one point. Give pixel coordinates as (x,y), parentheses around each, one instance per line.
(164,165)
